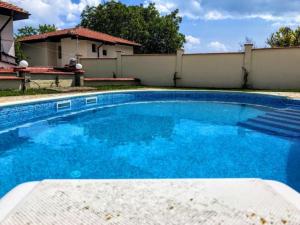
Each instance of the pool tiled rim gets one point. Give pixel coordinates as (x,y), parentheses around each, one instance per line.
(17,113)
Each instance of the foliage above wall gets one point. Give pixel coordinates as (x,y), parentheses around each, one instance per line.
(285,37)
(142,24)
(29,30)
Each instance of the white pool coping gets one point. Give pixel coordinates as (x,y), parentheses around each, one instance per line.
(180,201)
(81,94)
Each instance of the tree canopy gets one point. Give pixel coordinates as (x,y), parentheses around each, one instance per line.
(142,24)
(29,30)
(285,37)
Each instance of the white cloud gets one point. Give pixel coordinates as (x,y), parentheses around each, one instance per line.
(192,40)
(62,13)
(216,15)
(269,10)
(188,8)
(217,46)
(193,44)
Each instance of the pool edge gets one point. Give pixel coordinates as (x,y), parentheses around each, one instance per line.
(74,95)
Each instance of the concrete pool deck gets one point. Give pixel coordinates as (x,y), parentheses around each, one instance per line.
(132,202)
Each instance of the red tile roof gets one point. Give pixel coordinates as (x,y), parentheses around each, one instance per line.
(81,33)
(7,8)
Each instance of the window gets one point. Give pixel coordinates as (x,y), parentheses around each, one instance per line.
(94,48)
(104,52)
(59,52)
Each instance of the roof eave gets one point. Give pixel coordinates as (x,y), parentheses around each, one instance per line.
(15,14)
(74,36)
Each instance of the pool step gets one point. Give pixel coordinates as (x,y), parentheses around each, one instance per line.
(280,119)
(289,112)
(280,125)
(284,122)
(269,129)
(283,115)
(297,112)
(296,107)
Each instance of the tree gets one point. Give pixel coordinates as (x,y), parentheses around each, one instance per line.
(45,28)
(285,37)
(144,25)
(28,31)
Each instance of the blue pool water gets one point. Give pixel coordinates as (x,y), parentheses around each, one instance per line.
(176,139)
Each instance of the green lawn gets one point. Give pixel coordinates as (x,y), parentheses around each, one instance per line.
(27,92)
(111,88)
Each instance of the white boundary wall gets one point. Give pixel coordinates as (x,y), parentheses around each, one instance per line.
(276,68)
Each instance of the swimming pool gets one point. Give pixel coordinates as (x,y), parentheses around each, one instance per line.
(170,134)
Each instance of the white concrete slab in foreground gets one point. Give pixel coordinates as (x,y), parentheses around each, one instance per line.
(140,202)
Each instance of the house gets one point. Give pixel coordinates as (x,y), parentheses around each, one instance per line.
(58,47)
(8,14)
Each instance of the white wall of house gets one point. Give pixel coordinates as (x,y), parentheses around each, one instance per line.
(52,54)
(7,42)
(85,50)
(46,53)
(70,48)
(36,53)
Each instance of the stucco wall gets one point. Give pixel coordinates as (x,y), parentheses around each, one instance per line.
(52,51)
(267,69)
(212,70)
(275,68)
(150,69)
(99,67)
(7,36)
(110,49)
(36,53)
(69,49)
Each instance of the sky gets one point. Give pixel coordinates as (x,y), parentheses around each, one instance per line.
(209,25)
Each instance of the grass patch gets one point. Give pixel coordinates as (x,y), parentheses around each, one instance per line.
(41,91)
(4,93)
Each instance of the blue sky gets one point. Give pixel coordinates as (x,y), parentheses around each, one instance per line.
(209,25)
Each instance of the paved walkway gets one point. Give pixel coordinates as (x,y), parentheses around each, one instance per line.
(139,202)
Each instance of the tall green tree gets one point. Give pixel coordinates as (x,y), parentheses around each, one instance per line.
(28,31)
(45,28)
(285,37)
(142,24)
